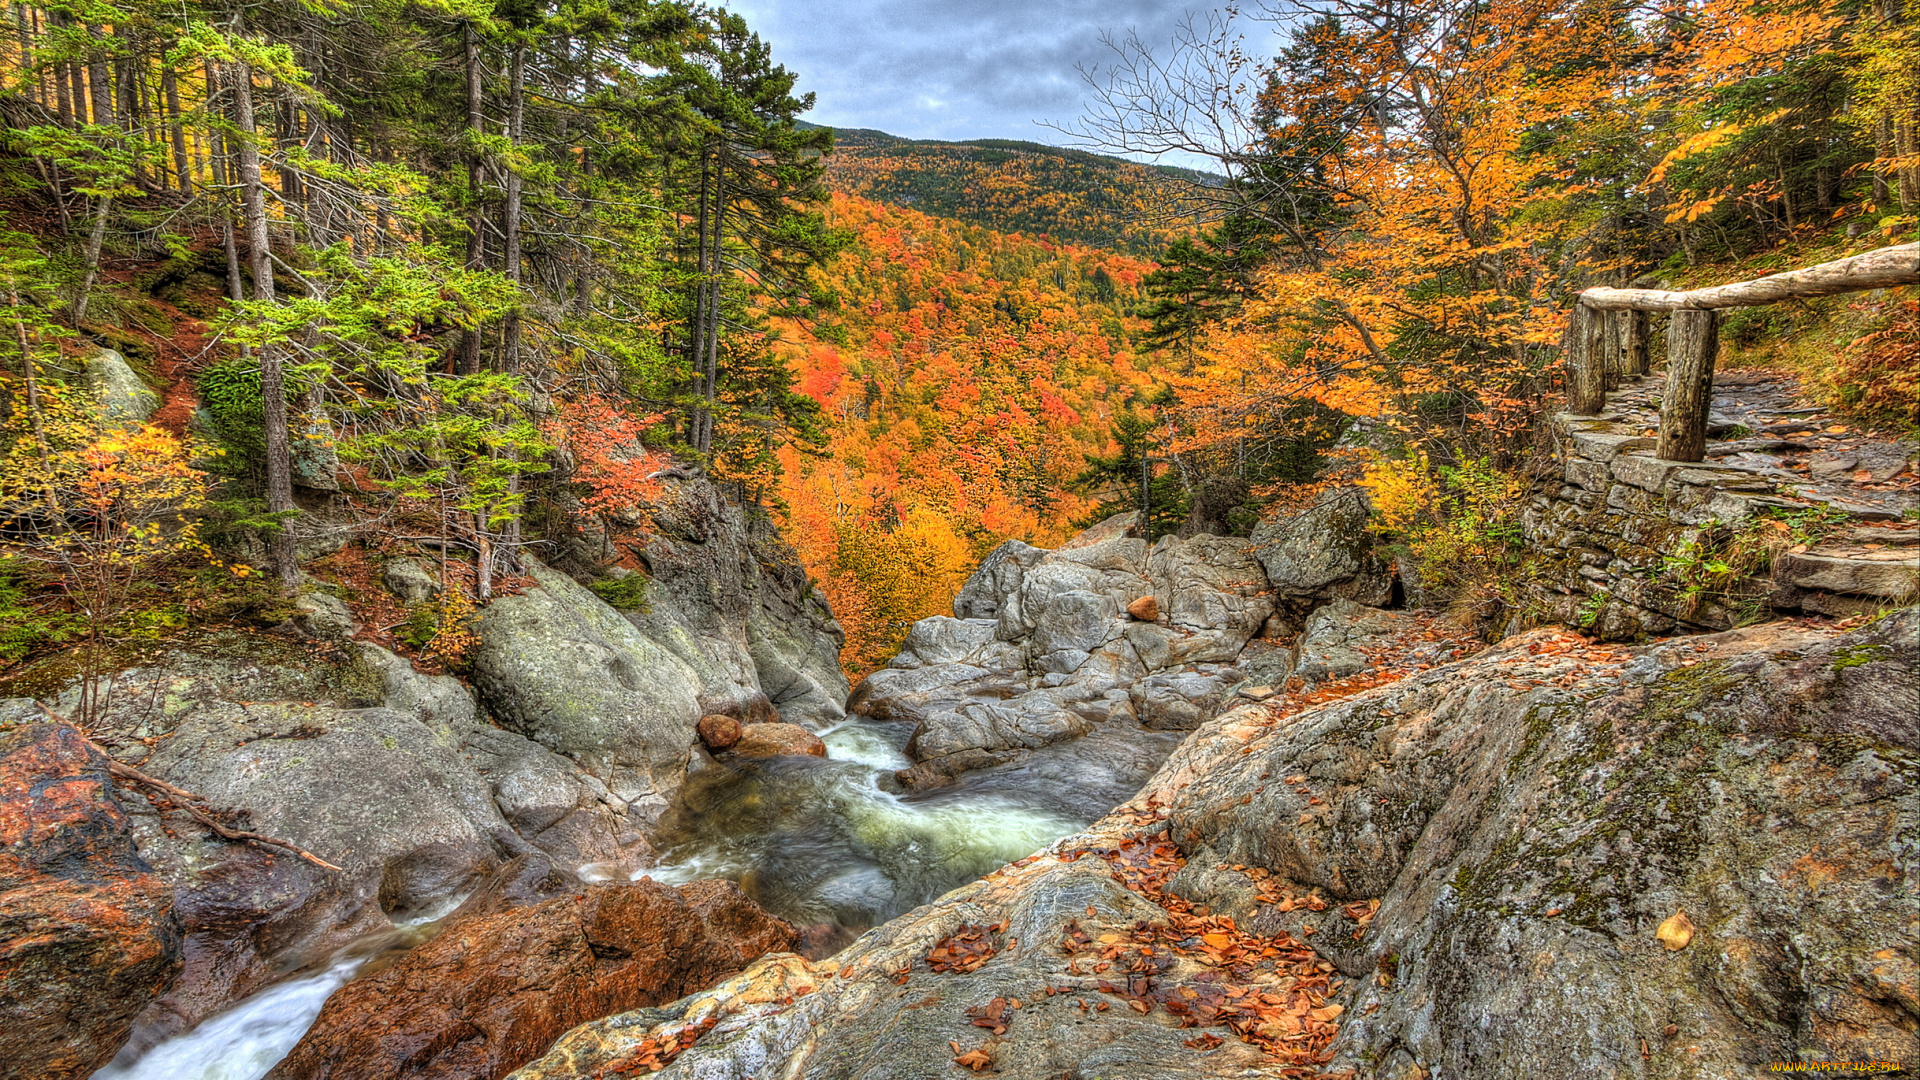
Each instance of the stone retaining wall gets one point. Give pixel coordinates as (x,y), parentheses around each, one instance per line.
(1626,538)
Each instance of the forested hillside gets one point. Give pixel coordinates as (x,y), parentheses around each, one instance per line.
(1066,195)
(965,378)
(461,267)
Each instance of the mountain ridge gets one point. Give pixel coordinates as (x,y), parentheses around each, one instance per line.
(1014,185)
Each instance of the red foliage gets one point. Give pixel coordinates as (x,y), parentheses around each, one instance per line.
(609,451)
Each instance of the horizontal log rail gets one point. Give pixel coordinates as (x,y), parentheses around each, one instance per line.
(1609,332)
(1886,268)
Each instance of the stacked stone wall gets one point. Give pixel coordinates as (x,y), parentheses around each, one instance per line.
(1625,542)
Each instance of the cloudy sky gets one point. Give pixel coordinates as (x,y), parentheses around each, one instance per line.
(949,69)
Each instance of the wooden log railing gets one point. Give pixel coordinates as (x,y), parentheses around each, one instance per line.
(1600,344)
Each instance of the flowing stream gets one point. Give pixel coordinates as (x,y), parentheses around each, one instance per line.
(245,1041)
(835,847)
(829,844)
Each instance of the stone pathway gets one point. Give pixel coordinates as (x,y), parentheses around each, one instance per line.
(1763,423)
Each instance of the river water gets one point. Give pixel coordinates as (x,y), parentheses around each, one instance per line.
(830,844)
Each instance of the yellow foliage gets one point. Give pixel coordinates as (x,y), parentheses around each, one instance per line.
(885,581)
(95,497)
(1405,494)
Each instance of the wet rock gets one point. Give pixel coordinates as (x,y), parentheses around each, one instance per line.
(1024,722)
(88,934)
(493,991)
(777,740)
(371,790)
(719,732)
(558,665)
(255,726)
(913,694)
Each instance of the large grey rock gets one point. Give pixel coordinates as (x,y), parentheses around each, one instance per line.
(1212,592)
(1183,700)
(124,397)
(555,805)
(438,701)
(998,578)
(557,665)
(913,694)
(410,579)
(1071,619)
(1065,656)
(1020,723)
(728,597)
(321,615)
(940,640)
(1324,552)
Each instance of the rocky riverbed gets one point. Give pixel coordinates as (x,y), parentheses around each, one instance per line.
(1344,840)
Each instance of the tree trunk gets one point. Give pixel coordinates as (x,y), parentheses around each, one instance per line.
(23,28)
(1634,358)
(469,360)
(1883,138)
(90,259)
(170,86)
(1693,340)
(62,92)
(1887,268)
(98,84)
(697,321)
(516,118)
(510,328)
(273,393)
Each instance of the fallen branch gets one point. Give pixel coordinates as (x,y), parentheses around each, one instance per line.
(186,800)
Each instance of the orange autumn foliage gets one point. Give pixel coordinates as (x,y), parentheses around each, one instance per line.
(965,375)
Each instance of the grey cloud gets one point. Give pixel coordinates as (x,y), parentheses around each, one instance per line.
(948,69)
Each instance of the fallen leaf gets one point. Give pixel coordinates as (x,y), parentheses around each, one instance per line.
(976,1060)
(1206,1041)
(1676,932)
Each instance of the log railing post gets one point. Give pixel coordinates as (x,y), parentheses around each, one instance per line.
(1586,362)
(1693,339)
(1632,331)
